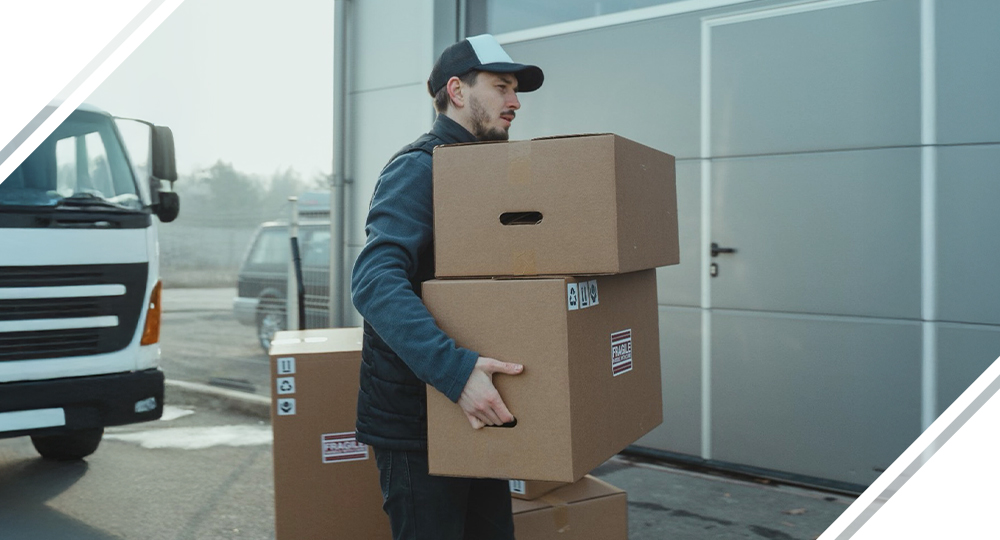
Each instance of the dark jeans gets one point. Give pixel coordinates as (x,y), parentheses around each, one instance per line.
(424,507)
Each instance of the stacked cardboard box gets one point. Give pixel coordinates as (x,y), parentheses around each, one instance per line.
(546,252)
(586,510)
(325,482)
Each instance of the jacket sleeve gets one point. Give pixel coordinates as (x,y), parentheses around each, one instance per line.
(400,225)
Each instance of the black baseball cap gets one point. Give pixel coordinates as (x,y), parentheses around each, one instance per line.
(481,53)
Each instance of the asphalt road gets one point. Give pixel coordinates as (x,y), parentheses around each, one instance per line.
(201,341)
(195,475)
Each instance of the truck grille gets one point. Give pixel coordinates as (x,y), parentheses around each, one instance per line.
(34,343)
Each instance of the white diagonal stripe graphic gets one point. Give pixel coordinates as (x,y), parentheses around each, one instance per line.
(35,106)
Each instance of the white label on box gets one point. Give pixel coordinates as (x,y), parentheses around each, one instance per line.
(286,365)
(286,407)
(341,447)
(584,295)
(621,352)
(285,385)
(517,486)
(592,286)
(572,296)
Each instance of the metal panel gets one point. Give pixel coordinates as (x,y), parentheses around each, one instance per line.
(379,60)
(680,285)
(387,120)
(639,80)
(833,398)
(680,367)
(964,352)
(839,77)
(968,228)
(968,72)
(833,233)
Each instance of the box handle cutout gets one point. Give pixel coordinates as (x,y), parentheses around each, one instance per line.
(521,218)
(510,424)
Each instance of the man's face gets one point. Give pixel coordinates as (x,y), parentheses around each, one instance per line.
(492,102)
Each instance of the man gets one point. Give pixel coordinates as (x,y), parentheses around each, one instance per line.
(474,85)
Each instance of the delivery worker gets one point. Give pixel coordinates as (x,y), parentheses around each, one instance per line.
(474,85)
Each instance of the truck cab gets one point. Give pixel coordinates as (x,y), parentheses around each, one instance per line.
(80,284)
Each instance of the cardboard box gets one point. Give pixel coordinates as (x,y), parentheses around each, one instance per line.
(590,509)
(532,489)
(591,381)
(575,205)
(326,484)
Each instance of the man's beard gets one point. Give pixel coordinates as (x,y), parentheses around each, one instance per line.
(479,120)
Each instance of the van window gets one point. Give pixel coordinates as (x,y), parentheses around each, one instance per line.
(316,248)
(272,248)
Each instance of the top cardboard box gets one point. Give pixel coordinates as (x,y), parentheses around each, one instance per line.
(575,205)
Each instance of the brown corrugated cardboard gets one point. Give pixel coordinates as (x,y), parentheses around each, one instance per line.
(325,483)
(587,510)
(591,381)
(580,205)
(532,489)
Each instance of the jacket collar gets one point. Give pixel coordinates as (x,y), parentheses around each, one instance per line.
(451,131)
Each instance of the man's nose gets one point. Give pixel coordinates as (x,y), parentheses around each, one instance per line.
(513,102)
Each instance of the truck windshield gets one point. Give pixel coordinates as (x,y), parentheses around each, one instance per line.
(82,164)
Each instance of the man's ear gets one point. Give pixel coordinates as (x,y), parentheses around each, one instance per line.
(456,92)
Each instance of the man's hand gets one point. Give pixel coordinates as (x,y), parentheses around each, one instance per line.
(480,400)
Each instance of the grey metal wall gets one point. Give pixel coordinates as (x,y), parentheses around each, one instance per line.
(858,305)
(821,339)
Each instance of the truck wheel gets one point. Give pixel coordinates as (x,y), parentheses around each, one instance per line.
(70,446)
(270,320)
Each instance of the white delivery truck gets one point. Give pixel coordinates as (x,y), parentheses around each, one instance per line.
(80,286)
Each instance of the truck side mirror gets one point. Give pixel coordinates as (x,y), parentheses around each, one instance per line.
(168,207)
(166,204)
(164,162)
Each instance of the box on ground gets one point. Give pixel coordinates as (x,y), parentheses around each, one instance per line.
(574,205)
(591,380)
(326,484)
(532,489)
(590,509)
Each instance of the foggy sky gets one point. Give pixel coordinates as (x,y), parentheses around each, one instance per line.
(245,81)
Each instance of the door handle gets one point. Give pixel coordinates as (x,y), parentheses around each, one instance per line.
(716,250)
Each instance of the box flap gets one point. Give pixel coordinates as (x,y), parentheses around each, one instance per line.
(323,340)
(587,488)
(572,136)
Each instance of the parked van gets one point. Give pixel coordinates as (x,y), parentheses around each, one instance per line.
(80,284)
(263,278)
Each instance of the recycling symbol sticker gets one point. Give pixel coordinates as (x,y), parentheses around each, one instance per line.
(285,385)
(572,296)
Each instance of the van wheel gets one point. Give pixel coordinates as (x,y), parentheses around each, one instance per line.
(71,446)
(270,320)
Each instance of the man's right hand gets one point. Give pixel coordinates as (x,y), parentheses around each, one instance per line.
(480,400)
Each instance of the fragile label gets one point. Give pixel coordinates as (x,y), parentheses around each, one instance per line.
(286,365)
(286,407)
(517,486)
(340,447)
(285,385)
(621,352)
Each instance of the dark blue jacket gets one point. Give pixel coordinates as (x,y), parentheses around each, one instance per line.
(403,347)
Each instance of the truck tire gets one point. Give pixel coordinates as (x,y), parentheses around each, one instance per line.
(70,446)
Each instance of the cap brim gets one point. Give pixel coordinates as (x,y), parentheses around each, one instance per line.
(529,78)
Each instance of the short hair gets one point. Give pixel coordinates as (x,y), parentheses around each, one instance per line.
(441,98)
